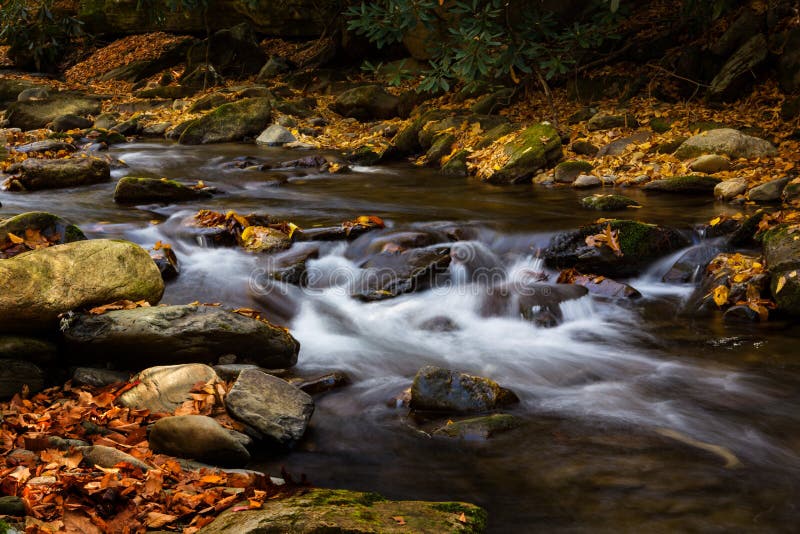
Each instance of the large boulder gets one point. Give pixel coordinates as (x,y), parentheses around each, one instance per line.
(782,255)
(737,73)
(683,184)
(639,243)
(272,409)
(200,438)
(229,122)
(442,390)
(38,114)
(725,141)
(162,389)
(136,190)
(370,102)
(534,149)
(179,334)
(335,511)
(37,173)
(40,285)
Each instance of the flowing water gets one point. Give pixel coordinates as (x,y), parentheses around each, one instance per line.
(635,414)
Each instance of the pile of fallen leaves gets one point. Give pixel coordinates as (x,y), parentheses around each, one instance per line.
(62,491)
(741,280)
(123,52)
(31,240)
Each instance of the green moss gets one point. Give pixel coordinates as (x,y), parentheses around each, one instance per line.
(533,149)
(476,517)
(681,184)
(660,125)
(575,165)
(608,202)
(494,134)
(634,236)
(344,497)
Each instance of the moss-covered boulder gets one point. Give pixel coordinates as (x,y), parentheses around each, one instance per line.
(483,427)
(639,245)
(369,102)
(441,147)
(137,190)
(166,335)
(535,148)
(39,113)
(341,511)
(606,121)
(42,284)
(406,141)
(609,202)
(683,184)
(229,122)
(456,166)
(442,390)
(567,171)
(725,141)
(35,173)
(52,227)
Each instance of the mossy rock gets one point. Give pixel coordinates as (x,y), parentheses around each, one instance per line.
(788,297)
(36,174)
(349,512)
(483,427)
(52,227)
(38,114)
(669,146)
(136,190)
(660,125)
(535,148)
(441,147)
(456,166)
(406,141)
(781,249)
(494,134)
(443,390)
(567,171)
(684,184)
(229,122)
(640,244)
(602,202)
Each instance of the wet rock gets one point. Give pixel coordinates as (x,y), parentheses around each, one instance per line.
(139,190)
(782,255)
(91,376)
(691,265)
(730,189)
(534,149)
(273,409)
(439,323)
(442,390)
(198,437)
(366,103)
(264,239)
(163,389)
(479,428)
(387,274)
(768,192)
(291,267)
(28,349)
(537,302)
(37,173)
(275,135)
(108,457)
(606,287)
(33,114)
(725,141)
(321,384)
(15,375)
(48,145)
(584,148)
(407,139)
(129,127)
(441,147)
(740,314)
(44,283)
(710,164)
(12,505)
(683,184)
(324,510)
(585,181)
(640,244)
(70,121)
(52,227)
(178,334)
(567,171)
(604,121)
(603,202)
(737,72)
(229,122)
(156,130)
(456,166)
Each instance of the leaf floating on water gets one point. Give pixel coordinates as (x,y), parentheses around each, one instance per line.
(720,295)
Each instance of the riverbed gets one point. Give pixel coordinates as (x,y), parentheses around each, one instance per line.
(634,412)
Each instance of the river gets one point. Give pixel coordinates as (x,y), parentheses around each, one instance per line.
(634,412)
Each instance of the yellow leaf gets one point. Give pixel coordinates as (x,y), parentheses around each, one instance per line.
(720,295)
(781,283)
(715,221)
(15,239)
(511,71)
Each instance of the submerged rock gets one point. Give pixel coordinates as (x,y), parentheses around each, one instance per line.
(640,244)
(442,390)
(479,428)
(178,334)
(725,141)
(42,284)
(324,510)
(165,388)
(538,302)
(37,173)
(273,409)
(135,190)
(198,437)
